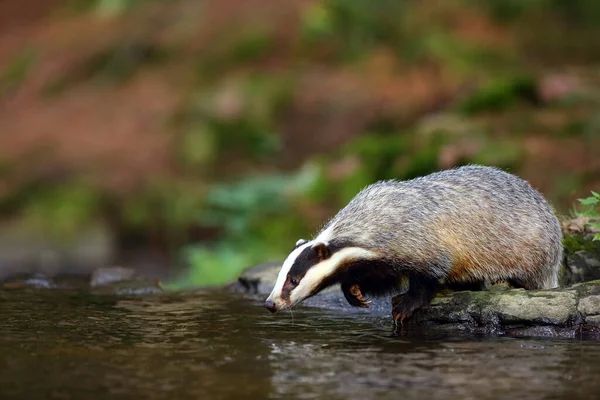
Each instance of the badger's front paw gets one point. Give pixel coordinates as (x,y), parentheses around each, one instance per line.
(355,296)
(403,307)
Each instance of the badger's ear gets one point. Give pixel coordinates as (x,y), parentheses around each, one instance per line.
(300,242)
(321,249)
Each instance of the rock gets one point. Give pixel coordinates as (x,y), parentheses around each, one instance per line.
(582,254)
(561,312)
(36,280)
(123,281)
(503,309)
(557,87)
(108,275)
(23,250)
(582,266)
(40,280)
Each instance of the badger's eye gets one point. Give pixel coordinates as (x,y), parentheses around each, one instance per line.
(294,282)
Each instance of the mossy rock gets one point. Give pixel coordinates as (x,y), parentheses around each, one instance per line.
(562,312)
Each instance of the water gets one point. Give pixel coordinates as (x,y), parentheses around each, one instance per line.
(212,345)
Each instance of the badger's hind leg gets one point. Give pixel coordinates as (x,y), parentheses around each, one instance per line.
(420,292)
(354,295)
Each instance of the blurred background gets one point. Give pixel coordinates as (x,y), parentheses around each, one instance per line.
(190,139)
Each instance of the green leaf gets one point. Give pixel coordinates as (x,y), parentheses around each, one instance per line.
(588,214)
(595,225)
(590,201)
(596,195)
(596,236)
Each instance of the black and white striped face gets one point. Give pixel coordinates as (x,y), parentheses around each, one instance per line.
(310,268)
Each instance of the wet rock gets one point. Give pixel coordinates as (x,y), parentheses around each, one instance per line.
(123,281)
(561,312)
(503,309)
(582,254)
(38,280)
(582,266)
(108,275)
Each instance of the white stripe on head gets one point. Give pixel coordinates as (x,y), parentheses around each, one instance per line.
(285,269)
(318,273)
(326,235)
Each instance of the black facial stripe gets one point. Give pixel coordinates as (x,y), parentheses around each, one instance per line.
(306,259)
(309,258)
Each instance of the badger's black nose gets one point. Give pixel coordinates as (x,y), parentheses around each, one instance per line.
(269,305)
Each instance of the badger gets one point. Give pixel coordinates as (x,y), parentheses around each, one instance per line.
(470,224)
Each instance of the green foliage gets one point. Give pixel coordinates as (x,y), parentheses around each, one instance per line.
(197,146)
(16,70)
(378,151)
(591,209)
(115,64)
(241,46)
(105,8)
(355,26)
(506,154)
(251,46)
(60,211)
(240,206)
(499,94)
(582,11)
(215,265)
(508,10)
(234,116)
(166,203)
(257,222)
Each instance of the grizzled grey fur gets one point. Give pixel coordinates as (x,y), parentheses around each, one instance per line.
(468,224)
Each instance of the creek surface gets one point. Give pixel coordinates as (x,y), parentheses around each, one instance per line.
(218,345)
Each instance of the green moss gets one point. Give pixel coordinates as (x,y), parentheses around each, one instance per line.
(573,242)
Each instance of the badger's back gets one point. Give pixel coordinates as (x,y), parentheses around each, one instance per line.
(465,224)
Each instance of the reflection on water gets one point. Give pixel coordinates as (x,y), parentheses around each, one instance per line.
(211,345)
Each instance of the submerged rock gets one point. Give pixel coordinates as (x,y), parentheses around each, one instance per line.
(562,312)
(109,280)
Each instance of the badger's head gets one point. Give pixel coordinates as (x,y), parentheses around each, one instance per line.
(311,267)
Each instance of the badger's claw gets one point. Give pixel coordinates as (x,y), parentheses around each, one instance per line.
(403,307)
(420,292)
(355,297)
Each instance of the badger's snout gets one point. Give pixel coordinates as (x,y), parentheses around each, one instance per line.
(269,305)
